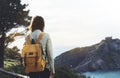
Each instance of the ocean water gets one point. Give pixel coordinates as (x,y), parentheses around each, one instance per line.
(103,74)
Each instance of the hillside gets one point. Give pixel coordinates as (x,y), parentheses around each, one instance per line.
(101,56)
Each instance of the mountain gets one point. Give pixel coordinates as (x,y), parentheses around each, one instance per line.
(102,56)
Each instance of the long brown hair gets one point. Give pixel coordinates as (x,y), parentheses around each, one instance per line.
(37,22)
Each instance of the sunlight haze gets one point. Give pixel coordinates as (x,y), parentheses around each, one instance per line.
(77,23)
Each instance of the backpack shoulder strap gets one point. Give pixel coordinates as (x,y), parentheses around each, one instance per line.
(40,37)
(28,41)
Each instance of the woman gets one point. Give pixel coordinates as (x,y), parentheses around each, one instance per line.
(36,27)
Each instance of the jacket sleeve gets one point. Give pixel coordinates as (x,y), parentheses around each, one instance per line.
(50,55)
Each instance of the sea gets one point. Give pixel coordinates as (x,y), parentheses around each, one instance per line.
(103,74)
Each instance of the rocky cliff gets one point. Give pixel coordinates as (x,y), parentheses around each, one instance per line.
(102,56)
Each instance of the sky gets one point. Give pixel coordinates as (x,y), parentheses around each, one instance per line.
(77,23)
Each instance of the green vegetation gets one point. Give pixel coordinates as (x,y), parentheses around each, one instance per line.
(4,76)
(65,72)
(12,53)
(12,60)
(12,14)
(14,66)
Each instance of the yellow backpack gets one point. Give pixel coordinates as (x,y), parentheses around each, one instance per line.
(32,55)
